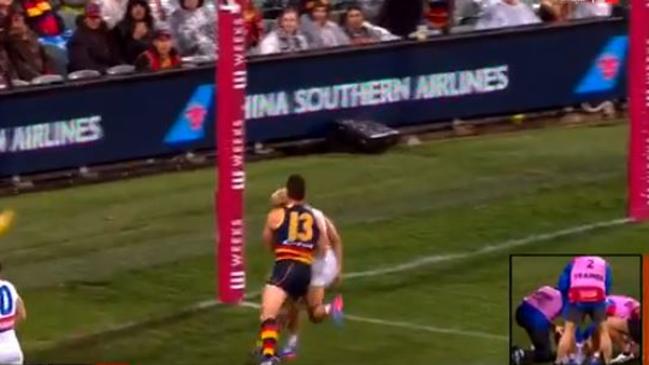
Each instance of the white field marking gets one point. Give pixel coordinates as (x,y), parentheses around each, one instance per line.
(414,264)
(409,326)
(535,238)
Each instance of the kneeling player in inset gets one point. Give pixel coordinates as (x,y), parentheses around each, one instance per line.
(536,315)
(584,284)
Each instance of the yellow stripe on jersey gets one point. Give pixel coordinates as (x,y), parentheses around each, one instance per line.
(270,334)
(295,258)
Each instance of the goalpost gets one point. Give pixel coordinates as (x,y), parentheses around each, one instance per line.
(638,199)
(230,89)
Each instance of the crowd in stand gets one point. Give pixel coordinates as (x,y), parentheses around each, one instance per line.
(41,37)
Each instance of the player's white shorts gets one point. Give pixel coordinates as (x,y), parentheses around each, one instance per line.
(10,352)
(324,270)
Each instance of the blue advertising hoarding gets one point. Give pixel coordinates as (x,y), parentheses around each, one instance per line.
(292,98)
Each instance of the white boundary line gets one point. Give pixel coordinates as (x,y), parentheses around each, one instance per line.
(408,326)
(411,265)
(535,238)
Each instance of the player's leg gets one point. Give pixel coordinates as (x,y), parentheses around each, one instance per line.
(292,326)
(292,278)
(273,297)
(621,334)
(325,271)
(538,330)
(573,318)
(605,344)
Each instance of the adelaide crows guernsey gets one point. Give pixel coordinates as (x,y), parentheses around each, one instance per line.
(297,237)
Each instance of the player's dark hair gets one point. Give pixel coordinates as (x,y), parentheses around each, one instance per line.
(296,187)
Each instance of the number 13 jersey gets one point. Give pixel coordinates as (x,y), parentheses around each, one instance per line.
(297,236)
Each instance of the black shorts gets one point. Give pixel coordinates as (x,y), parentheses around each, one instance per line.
(292,276)
(577,313)
(540,338)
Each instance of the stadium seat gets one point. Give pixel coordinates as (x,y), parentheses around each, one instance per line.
(47,80)
(198,60)
(19,83)
(84,74)
(121,70)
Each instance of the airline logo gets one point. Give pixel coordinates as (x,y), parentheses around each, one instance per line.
(604,73)
(190,124)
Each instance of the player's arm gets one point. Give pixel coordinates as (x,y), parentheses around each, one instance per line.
(609,279)
(564,280)
(323,241)
(336,243)
(21,311)
(273,221)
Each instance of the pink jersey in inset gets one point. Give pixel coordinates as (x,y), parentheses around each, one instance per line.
(547,300)
(588,279)
(622,307)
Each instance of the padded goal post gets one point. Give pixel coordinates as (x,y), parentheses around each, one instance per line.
(639,105)
(230,89)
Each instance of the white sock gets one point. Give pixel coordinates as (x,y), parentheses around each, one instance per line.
(327,308)
(292,341)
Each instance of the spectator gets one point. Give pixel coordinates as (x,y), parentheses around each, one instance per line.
(507,13)
(92,46)
(321,32)
(194,26)
(360,31)
(371,9)
(112,11)
(134,33)
(161,56)
(162,10)
(401,17)
(551,11)
(254,20)
(42,18)
(26,53)
(7,71)
(436,14)
(5,6)
(287,37)
(584,10)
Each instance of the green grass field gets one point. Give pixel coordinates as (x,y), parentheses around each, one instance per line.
(89,258)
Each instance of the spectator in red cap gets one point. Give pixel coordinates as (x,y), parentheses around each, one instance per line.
(42,18)
(25,52)
(161,56)
(92,46)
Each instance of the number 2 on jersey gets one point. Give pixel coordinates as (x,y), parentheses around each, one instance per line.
(300,227)
(6,301)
